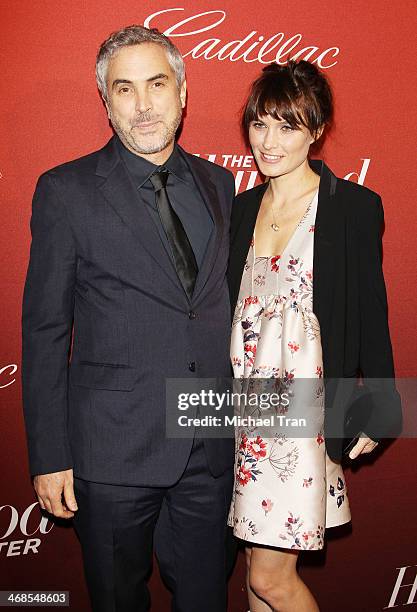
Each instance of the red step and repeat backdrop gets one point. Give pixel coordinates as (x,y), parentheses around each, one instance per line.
(51,112)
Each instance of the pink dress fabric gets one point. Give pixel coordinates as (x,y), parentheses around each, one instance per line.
(287,490)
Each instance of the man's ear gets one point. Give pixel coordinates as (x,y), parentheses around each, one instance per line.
(106,105)
(183,93)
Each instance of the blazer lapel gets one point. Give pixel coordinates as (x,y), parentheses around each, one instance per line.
(241,237)
(209,194)
(115,184)
(246,227)
(325,245)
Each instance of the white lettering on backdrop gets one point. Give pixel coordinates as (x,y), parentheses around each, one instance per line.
(246,179)
(5,375)
(253,47)
(11,523)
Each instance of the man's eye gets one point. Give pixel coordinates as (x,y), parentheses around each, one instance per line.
(124,90)
(158,84)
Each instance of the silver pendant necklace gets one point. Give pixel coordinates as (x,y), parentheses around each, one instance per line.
(274,225)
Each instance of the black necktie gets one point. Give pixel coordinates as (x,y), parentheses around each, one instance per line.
(184,258)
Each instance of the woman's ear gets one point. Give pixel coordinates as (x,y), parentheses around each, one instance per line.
(318,133)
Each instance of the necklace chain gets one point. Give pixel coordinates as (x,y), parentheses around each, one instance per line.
(274,225)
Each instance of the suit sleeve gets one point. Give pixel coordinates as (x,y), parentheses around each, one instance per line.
(376,358)
(47,317)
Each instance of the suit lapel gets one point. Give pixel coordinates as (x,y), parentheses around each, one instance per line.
(210,196)
(115,184)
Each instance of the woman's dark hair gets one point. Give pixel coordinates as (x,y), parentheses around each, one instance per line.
(297,93)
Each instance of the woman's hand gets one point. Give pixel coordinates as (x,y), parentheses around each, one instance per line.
(363,445)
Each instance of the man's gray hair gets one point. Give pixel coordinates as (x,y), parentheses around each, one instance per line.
(136,35)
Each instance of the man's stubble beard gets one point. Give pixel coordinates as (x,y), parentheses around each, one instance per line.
(165,139)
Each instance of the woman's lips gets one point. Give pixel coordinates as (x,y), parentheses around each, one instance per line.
(271,159)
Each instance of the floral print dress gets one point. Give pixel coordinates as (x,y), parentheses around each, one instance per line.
(287,490)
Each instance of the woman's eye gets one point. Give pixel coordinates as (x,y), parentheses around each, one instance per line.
(258,124)
(287,128)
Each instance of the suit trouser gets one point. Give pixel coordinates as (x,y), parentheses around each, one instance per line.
(115,525)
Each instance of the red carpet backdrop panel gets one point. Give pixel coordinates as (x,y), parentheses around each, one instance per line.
(51,112)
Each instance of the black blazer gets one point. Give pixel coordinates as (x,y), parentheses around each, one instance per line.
(349,298)
(98,265)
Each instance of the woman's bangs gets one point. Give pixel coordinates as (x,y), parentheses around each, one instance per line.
(280,107)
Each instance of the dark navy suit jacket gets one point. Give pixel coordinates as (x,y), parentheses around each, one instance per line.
(99,274)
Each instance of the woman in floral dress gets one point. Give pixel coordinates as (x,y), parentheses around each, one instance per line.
(287,489)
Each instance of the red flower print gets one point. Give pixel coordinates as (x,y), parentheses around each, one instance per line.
(293,346)
(251,300)
(292,520)
(309,274)
(243,442)
(307,481)
(267,505)
(250,348)
(243,475)
(319,439)
(274,265)
(257,448)
(319,371)
(311,228)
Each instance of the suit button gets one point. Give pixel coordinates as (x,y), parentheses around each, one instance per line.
(191,366)
(191,315)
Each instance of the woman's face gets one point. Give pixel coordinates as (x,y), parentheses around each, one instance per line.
(277,147)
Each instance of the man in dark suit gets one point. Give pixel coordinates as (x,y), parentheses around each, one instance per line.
(128,261)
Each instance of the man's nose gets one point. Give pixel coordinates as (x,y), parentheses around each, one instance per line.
(143,102)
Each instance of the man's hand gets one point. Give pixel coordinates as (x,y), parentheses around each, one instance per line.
(363,445)
(56,493)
